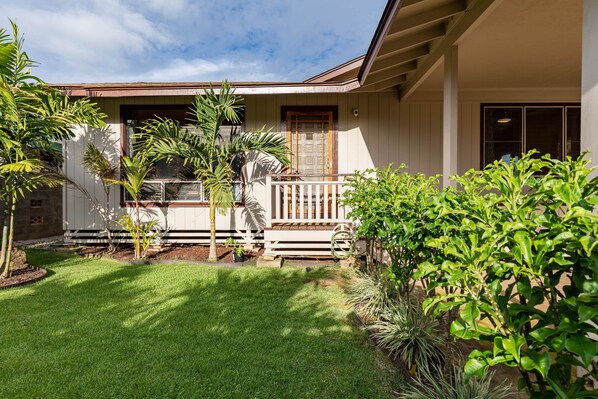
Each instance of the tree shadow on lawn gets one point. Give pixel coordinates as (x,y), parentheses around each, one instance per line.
(112,330)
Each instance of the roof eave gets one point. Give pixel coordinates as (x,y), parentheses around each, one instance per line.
(143,90)
(390,12)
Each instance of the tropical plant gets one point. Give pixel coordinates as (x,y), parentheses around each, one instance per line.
(371,295)
(135,171)
(143,235)
(107,172)
(410,335)
(395,208)
(204,149)
(236,246)
(32,117)
(457,385)
(520,245)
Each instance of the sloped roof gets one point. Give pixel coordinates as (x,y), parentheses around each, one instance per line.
(412,37)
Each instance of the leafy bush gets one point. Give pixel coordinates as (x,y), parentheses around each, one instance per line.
(520,246)
(142,234)
(394,207)
(456,386)
(371,295)
(409,334)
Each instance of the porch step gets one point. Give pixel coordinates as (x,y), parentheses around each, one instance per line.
(296,241)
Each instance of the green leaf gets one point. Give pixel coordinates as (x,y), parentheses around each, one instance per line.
(587,312)
(513,344)
(541,334)
(524,243)
(469,313)
(536,361)
(584,347)
(524,287)
(476,367)
(460,330)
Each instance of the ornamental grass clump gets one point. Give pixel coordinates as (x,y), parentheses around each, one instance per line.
(371,296)
(410,335)
(457,385)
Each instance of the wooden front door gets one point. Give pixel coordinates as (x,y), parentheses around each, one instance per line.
(310,139)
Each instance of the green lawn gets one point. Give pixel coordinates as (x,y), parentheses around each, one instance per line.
(97,328)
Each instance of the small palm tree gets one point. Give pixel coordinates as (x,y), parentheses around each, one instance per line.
(99,165)
(206,151)
(134,172)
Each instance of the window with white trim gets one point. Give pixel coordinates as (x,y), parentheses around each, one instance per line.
(172,182)
(511,129)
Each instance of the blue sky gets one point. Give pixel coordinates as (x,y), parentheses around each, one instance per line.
(191,40)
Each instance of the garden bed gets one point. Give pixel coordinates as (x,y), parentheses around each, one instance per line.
(23,276)
(196,253)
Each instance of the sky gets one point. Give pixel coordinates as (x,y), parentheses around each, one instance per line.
(89,41)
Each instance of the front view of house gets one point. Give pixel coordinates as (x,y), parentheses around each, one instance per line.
(446,85)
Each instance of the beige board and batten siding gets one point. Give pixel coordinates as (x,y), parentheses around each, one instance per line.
(79,212)
(385,131)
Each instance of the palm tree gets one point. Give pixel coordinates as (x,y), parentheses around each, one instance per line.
(206,151)
(33,116)
(135,171)
(107,172)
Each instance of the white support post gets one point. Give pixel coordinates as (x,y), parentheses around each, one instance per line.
(589,80)
(450,114)
(589,93)
(268,210)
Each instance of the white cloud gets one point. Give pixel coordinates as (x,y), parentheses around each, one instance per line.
(187,40)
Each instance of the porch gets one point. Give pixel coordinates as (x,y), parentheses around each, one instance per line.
(302,212)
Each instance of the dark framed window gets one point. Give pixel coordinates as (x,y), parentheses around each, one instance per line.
(171,182)
(511,129)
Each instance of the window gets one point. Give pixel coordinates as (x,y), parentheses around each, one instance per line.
(510,129)
(171,182)
(36,220)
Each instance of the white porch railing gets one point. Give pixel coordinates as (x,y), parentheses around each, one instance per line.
(304,199)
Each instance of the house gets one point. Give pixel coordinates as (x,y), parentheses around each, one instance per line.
(446,85)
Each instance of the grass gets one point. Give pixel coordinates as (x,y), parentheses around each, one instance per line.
(97,328)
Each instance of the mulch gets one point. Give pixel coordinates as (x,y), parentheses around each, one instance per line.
(23,276)
(195,253)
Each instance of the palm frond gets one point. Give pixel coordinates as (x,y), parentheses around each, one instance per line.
(135,171)
(99,165)
(263,142)
(218,184)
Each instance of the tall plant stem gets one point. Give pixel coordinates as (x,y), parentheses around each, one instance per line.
(11,232)
(107,218)
(6,221)
(137,231)
(213,257)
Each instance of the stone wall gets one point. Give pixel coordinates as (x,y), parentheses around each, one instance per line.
(39,214)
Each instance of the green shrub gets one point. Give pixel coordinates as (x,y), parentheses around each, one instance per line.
(520,249)
(394,207)
(370,295)
(457,385)
(410,335)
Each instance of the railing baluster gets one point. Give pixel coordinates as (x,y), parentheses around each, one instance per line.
(301,196)
(285,201)
(309,202)
(277,203)
(318,197)
(333,194)
(294,201)
(325,198)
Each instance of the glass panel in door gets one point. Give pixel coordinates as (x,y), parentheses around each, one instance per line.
(309,137)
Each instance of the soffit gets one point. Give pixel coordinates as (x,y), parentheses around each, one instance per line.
(412,37)
(522,44)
